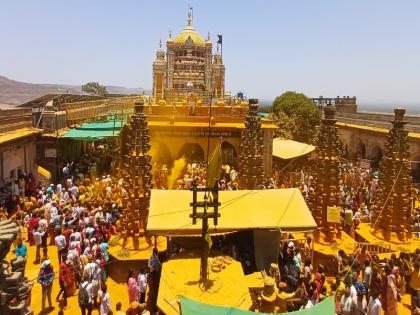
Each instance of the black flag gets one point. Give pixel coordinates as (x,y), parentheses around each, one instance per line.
(219,41)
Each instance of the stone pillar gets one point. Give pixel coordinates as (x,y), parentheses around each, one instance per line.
(136,174)
(326,175)
(251,156)
(392,206)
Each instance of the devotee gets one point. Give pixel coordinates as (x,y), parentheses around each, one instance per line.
(142,286)
(392,294)
(85,296)
(414,284)
(104,301)
(133,288)
(61,243)
(63,280)
(118,309)
(21,250)
(374,307)
(359,304)
(38,234)
(45,278)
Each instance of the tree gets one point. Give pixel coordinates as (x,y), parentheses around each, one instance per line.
(297,116)
(94,88)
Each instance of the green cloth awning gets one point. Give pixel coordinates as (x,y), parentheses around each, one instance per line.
(191,307)
(95,131)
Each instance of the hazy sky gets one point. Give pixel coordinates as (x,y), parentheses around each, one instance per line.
(370,49)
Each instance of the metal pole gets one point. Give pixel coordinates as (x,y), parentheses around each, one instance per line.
(205,251)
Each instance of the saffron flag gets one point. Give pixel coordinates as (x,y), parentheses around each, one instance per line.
(214,167)
(219,39)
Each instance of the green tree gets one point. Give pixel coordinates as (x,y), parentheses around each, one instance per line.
(94,88)
(297,116)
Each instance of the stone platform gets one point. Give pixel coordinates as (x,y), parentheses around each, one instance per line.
(124,258)
(180,276)
(365,232)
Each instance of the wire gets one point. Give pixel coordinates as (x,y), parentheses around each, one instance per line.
(383,207)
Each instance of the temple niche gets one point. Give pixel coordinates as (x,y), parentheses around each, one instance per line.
(392,206)
(188,71)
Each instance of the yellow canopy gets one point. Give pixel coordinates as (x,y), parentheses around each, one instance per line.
(43,172)
(288,149)
(18,134)
(283,209)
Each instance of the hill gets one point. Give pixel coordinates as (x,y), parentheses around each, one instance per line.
(16,93)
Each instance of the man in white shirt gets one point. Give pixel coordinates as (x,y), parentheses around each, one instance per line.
(60,242)
(359,304)
(38,234)
(374,306)
(367,274)
(142,284)
(85,295)
(76,236)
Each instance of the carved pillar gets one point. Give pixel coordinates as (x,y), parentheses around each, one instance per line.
(251,157)
(136,174)
(392,206)
(326,174)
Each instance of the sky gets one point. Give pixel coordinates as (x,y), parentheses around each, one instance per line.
(364,48)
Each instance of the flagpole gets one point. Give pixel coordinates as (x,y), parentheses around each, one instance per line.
(221,50)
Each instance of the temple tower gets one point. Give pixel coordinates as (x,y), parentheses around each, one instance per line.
(190,70)
(251,163)
(326,176)
(136,174)
(392,206)
(159,74)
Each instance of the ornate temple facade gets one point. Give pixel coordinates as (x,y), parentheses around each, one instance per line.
(188,69)
(189,109)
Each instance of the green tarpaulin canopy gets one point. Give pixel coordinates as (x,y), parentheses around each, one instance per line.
(95,131)
(190,307)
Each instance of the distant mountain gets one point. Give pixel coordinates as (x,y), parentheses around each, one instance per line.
(16,93)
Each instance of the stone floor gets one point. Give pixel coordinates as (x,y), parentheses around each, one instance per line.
(118,292)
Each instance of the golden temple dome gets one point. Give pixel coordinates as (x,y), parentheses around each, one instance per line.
(189,32)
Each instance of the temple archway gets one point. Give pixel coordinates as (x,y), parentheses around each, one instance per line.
(361,150)
(161,154)
(192,152)
(375,156)
(228,154)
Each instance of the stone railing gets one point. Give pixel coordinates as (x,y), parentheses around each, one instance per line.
(204,110)
(382,120)
(80,112)
(12,119)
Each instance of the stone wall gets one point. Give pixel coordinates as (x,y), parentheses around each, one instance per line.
(378,119)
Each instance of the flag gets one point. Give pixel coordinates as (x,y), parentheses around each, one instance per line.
(214,167)
(208,239)
(220,39)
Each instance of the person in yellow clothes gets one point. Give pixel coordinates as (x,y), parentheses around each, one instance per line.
(283,297)
(118,309)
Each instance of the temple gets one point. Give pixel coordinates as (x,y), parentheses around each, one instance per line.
(189,97)
(188,68)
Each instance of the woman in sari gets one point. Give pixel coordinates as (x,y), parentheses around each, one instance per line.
(392,295)
(132,286)
(71,279)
